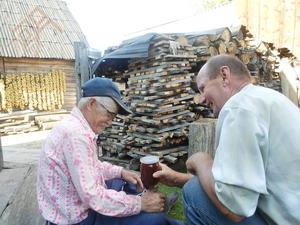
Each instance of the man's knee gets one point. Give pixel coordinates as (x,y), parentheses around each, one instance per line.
(190,188)
(150,218)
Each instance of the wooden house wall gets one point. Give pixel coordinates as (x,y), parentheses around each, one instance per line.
(277,21)
(44,66)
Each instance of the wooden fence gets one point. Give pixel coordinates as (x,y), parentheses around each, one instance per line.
(277,21)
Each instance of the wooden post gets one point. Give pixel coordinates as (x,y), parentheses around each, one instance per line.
(202,137)
(1,156)
(289,81)
(81,66)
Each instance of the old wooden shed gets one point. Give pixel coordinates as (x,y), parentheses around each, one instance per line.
(37,61)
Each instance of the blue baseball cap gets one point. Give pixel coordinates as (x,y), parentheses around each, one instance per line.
(100,86)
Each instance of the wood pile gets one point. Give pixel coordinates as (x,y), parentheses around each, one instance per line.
(260,56)
(159,93)
(24,122)
(161,89)
(111,140)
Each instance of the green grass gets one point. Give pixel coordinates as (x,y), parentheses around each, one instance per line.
(176,212)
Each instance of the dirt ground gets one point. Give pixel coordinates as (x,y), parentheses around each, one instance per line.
(22,148)
(28,145)
(33,140)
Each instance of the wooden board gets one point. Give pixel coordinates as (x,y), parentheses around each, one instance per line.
(23,208)
(10,180)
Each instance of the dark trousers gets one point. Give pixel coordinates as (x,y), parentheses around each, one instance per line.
(144,218)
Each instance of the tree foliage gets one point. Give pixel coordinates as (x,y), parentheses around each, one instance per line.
(209,4)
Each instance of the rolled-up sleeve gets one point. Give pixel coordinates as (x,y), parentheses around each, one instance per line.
(239,164)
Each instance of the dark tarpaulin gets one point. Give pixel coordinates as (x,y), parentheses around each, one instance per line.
(192,36)
(137,47)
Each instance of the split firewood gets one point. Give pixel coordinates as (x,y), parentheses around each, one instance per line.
(182,40)
(213,50)
(202,40)
(222,48)
(197,98)
(226,35)
(245,57)
(231,48)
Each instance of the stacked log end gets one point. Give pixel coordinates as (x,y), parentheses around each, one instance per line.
(112,139)
(159,93)
(260,56)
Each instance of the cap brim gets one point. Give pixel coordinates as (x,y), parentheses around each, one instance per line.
(124,110)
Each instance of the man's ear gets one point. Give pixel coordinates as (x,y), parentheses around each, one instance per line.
(225,73)
(90,103)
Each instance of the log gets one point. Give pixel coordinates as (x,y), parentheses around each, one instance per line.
(170,159)
(48,125)
(213,51)
(245,57)
(202,137)
(49,118)
(222,48)
(197,98)
(182,40)
(231,48)
(202,41)
(226,35)
(239,32)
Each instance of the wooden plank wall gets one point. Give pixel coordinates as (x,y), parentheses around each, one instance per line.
(44,66)
(277,21)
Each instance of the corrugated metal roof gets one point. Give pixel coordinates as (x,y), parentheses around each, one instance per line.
(38,29)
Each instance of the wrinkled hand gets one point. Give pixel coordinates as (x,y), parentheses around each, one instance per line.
(166,175)
(153,201)
(133,178)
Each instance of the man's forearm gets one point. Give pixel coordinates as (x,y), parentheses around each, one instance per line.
(182,178)
(202,166)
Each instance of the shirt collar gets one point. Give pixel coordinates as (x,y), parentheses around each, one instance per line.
(78,114)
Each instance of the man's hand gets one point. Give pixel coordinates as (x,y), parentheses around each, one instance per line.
(133,178)
(152,201)
(170,177)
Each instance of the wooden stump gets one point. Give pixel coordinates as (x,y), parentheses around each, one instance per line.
(1,155)
(202,137)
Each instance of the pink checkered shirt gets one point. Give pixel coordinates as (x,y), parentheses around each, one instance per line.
(71,179)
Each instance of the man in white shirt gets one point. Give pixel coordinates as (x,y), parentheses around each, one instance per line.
(254,177)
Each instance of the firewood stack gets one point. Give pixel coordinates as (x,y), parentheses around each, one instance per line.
(159,94)
(161,89)
(260,56)
(111,138)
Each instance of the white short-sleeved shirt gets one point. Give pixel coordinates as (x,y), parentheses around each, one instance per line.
(257,162)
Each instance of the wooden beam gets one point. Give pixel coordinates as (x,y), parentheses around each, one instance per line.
(81,66)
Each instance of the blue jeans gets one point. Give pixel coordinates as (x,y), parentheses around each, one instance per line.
(199,209)
(144,218)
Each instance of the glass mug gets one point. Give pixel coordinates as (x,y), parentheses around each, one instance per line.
(149,165)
